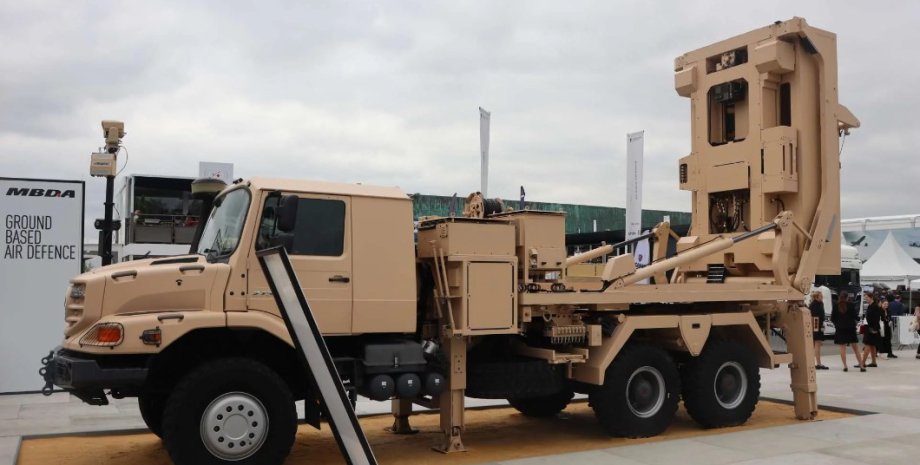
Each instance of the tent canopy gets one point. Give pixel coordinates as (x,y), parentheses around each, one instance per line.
(890,263)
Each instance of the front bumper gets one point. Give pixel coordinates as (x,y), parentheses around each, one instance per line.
(86,378)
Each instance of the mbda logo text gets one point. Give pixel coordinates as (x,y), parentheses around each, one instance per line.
(36,192)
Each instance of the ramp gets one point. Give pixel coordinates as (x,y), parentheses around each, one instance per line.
(313,353)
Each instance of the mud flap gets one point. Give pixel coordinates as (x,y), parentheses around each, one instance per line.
(313,353)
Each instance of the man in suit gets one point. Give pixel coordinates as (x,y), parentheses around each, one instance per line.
(896,308)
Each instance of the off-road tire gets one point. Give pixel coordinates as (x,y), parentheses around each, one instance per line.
(699,385)
(151,405)
(611,401)
(195,392)
(516,378)
(543,406)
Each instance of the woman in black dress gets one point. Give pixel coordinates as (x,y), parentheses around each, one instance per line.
(844,320)
(873,331)
(884,345)
(817,324)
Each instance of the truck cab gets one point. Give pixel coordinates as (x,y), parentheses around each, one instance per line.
(137,328)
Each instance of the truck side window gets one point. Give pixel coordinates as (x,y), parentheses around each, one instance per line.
(320,228)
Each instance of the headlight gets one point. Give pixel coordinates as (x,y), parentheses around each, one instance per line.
(78,291)
(104,335)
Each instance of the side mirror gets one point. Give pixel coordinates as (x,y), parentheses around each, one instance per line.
(287,213)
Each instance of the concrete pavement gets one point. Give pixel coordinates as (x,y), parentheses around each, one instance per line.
(891,436)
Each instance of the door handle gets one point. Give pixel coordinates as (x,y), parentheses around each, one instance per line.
(124,274)
(171,316)
(339,279)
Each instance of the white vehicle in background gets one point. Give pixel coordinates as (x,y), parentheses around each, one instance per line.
(830,286)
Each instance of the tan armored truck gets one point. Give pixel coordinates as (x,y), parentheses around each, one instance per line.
(484,305)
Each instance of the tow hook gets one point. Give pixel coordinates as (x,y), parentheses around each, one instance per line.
(47,374)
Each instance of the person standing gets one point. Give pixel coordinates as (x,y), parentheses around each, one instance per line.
(872,333)
(896,307)
(817,323)
(844,319)
(885,343)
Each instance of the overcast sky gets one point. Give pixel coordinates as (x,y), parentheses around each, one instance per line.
(387,92)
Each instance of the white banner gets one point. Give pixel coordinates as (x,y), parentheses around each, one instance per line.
(484,120)
(634,147)
(642,252)
(212,169)
(905,335)
(42,250)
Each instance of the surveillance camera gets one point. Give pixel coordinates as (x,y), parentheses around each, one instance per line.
(112,131)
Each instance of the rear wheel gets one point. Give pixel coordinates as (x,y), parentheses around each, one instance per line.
(233,410)
(640,392)
(543,406)
(721,385)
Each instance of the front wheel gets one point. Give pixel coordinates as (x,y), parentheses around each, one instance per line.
(721,385)
(151,405)
(640,392)
(233,410)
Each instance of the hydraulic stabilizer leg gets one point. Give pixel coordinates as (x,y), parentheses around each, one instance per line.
(451,400)
(451,403)
(799,339)
(402,409)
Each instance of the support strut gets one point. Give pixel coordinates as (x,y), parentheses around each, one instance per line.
(451,401)
(402,410)
(799,339)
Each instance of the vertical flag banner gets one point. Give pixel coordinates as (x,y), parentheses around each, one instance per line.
(484,119)
(634,154)
(634,147)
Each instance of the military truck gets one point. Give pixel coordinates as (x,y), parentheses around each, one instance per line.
(482,305)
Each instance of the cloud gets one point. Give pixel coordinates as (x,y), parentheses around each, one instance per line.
(387,93)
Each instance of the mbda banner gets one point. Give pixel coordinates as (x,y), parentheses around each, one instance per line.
(42,249)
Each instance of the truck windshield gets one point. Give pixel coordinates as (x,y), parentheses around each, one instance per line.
(222,232)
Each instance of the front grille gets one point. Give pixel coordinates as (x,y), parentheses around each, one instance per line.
(73,313)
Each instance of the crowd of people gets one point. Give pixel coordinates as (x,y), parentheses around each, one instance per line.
(874,326)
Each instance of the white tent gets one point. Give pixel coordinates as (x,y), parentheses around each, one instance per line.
(890,265)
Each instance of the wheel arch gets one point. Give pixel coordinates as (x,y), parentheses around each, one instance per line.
(685,333)
(205,344)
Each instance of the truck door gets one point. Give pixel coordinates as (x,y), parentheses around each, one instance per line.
(320,252)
